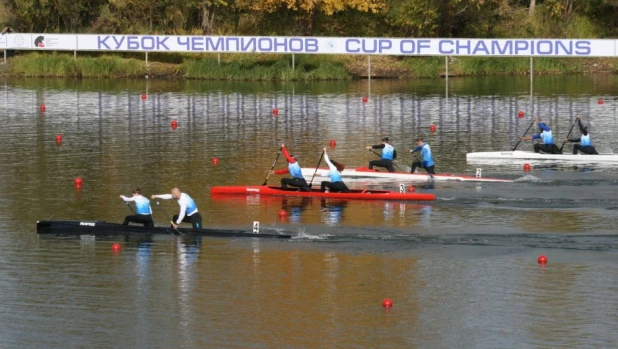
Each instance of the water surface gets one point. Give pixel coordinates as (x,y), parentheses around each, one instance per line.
(462,271)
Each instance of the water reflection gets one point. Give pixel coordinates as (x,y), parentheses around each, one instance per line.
(332,211)
(295,207)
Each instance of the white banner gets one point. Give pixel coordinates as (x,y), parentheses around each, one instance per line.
(315,45)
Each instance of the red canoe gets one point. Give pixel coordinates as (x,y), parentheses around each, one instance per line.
(353,194)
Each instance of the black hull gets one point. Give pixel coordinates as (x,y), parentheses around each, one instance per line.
(101,228)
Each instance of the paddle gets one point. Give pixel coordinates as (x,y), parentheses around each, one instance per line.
(174,231)
(528,129)
(568,134)
(401,168)
(131,208)
(316,169)
(417,157)
(272,167)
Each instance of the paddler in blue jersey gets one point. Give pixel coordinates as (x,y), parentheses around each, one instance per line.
(586,145)
(142,207)
(388,155)
(548,145)
(427,162)
(336,184)
(188,209)
(297,179)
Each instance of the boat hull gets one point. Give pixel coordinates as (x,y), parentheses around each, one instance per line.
(528,155)
(365,173)
(101,228)
(353,195)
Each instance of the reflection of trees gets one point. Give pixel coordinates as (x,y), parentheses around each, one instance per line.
(550,220)
(323,299)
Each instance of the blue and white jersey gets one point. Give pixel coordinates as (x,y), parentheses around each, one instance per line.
(333,173)
(545,135)
(188,203)
(142,205)
(295,171)
(585,140)
(425,150)
(388,152)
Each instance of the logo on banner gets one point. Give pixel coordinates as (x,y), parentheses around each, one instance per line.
(18,40)
(39,41)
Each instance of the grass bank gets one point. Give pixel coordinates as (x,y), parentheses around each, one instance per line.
(63,65)
(256,67)
(427,67)
(266,67)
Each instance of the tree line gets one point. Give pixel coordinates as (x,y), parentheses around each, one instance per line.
(392,18)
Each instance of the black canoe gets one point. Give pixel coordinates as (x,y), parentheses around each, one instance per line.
(101,228)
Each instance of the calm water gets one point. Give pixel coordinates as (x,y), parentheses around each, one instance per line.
(462,271)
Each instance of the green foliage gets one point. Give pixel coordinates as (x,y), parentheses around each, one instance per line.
(267,67)
(395,18)
(63,65)
(425,67)
(474,66)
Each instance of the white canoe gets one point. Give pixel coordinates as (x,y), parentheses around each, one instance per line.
(529,155)
(365,173)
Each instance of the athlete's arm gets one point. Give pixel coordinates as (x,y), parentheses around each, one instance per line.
(290,159)
(330,164)
(183,208)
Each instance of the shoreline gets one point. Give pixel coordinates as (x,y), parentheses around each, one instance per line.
(268,67)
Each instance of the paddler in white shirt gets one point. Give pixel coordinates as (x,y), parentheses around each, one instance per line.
(142,207)
(188,209)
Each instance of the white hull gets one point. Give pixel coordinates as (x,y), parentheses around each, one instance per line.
(529,155)
(363,173)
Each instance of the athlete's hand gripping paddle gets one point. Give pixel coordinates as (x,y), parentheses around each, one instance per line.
(528,129)
(174,230)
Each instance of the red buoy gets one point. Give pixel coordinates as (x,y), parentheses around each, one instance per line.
(78,181)
(365,99)
(387,303)
(144,97)
(283,213)
(58,139)
(520,114)
(174,125)
(542,260)
(215,161)
(275,111)
(116,247)
(332,143)
(600,101)
(526,167)
(42,108)
(411,189)
(432,128)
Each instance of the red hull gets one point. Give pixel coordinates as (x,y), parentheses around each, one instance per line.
(353,194)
